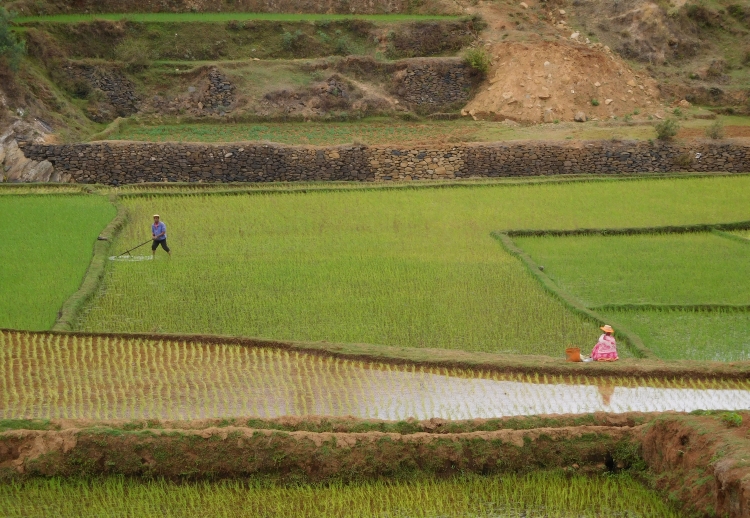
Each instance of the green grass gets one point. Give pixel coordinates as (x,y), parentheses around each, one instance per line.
(691,335)
(46,247)
(658,269)
(377,131)
(226,17)
(541,494)
(413,267)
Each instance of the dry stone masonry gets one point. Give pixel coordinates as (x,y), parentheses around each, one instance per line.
(119,90)
(220,93)
(119,163)
(436,83)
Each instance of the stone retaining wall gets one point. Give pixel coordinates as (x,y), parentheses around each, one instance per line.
(134,162)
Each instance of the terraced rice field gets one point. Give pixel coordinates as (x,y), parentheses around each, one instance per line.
(536,495)
(694,286)
(46,248)
(411,267)
(59,376)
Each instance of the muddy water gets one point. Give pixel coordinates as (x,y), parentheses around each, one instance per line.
(71,377)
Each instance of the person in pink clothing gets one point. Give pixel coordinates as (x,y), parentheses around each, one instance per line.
(605,349)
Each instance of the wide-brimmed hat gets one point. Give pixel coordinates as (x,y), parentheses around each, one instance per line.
(607,328)
(156,216)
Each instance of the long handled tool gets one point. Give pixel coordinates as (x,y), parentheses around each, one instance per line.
(134,248)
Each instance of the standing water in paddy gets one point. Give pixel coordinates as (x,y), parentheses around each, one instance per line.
(138,379)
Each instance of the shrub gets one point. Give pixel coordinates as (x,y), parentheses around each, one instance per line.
(732,419)
(11,49)
(594,102)
(134,53)
(479,60)
(716,130)
(290,40)
(667,129)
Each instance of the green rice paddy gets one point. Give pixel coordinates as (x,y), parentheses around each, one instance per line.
(693,335)
(536,495)
(657,269)
(682,278)
(414,267)
(47,244)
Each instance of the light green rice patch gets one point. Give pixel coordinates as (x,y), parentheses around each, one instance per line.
(691,335)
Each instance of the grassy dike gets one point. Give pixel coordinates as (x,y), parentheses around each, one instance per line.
(695,461)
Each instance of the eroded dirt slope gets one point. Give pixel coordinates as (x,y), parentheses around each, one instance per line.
(548,81)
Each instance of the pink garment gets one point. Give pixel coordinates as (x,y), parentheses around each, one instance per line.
(605,350)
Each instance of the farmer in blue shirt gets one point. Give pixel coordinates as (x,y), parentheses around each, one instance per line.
(159,235)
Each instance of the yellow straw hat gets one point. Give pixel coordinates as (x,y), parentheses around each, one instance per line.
(607,328)
(156,216)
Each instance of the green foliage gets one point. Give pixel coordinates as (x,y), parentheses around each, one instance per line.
(291,40)
(716,130)
(10,48)
(594,102)
(478,59)
(732,419)
(666,129)
(534,495)
(136,54)
(47,244)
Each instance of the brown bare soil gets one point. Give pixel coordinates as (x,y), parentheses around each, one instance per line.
(560,79)
(701,462)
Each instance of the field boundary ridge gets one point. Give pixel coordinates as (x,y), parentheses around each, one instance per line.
(630,231)
(94,275)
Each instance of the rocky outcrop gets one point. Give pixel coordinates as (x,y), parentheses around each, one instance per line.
(116,89)
(16,167)
(132,162)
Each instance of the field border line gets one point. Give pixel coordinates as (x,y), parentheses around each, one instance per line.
(733,237)
(629,231)
(634,341)
(452,358)
(707,308)
(92,279)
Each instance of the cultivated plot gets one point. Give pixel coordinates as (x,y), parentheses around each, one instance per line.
(718,335)
(655,269)
(537,495)
(694,287)
(53,376)
(414,268)
(47,243)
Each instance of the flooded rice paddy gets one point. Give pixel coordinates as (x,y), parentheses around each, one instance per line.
(49,376)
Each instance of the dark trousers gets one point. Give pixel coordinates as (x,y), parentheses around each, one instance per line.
(156,244)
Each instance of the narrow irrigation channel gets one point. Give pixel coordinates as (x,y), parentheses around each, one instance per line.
(67,376)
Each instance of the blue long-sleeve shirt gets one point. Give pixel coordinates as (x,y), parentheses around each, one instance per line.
(158,229)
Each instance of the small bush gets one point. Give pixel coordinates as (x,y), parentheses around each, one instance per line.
(479,60)
(677,112)
(716,130)
(667,129)
(732,419)
(290,40)
(594,102)
(11,50)
(135,54)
